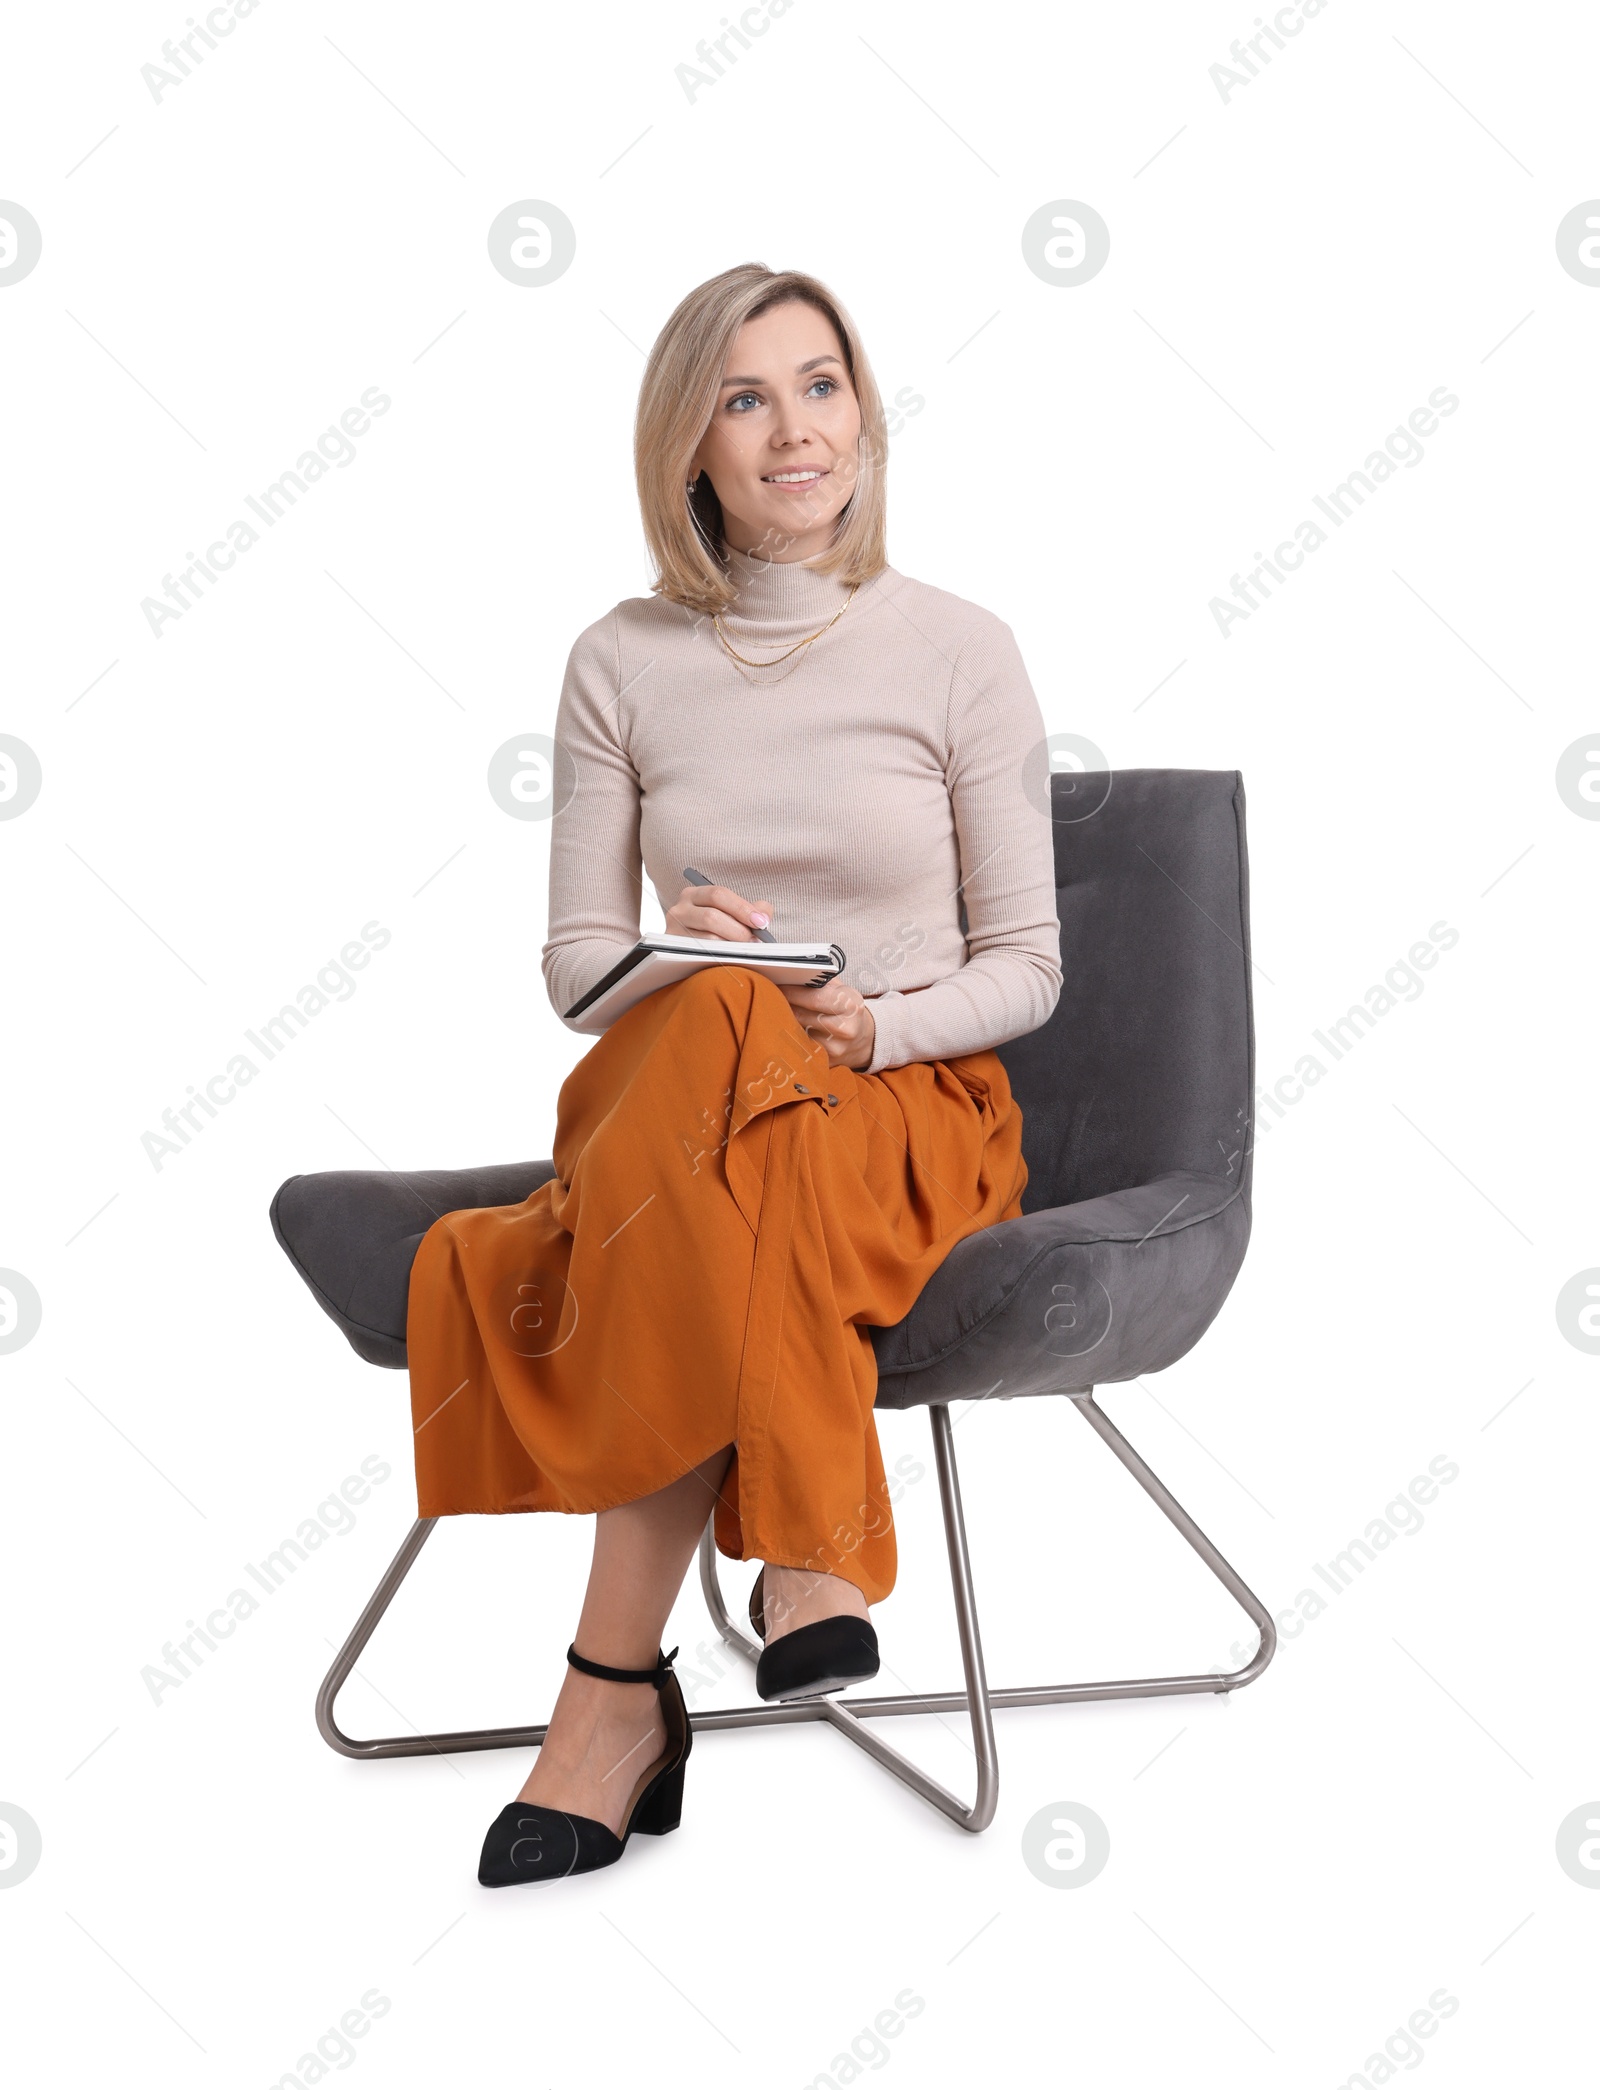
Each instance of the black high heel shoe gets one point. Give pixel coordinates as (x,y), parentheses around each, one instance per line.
(527,1843)
(828,1655)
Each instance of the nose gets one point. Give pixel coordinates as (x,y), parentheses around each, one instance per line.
(793,428)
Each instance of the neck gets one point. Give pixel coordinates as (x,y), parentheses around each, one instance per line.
(781,596)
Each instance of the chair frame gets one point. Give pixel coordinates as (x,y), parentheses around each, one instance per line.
(849,1715)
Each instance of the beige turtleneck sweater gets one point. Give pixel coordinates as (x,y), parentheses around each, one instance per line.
(866,786)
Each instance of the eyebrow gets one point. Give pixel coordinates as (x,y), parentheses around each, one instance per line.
(815,362)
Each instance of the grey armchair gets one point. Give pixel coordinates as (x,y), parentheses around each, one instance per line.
(1137,1129)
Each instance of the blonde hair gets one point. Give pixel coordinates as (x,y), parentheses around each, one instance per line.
(676,402)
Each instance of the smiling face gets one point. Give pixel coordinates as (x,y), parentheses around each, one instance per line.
(781,446)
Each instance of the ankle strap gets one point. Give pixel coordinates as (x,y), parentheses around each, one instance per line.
(656,1676)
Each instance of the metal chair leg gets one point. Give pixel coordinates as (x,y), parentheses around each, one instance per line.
(347,1657)
(847,1714)
(1231,1580)
(979,1699)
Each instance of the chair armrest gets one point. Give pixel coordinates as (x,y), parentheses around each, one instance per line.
(353,1235)
(1073,1297)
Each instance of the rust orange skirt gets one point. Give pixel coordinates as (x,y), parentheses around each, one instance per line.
(729,1217)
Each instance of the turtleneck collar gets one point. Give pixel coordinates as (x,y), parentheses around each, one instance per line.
(782,598)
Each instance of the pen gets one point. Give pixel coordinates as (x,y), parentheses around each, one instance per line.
(699,878)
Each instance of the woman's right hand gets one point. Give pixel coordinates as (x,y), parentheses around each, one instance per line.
(717,910)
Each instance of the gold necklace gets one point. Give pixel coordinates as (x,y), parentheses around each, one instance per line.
(798,647)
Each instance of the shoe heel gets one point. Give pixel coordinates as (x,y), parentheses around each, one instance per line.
(661,1809)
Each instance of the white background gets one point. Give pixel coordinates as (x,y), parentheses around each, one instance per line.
(1293,1871)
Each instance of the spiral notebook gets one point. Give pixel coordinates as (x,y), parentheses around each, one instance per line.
(659,961)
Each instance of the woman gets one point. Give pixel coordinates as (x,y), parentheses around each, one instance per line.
(748,1177)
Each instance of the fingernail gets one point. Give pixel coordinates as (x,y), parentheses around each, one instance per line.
(760,920)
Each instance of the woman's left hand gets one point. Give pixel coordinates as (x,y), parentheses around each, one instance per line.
(838,1019)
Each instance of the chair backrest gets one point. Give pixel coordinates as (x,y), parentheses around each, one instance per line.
(1148,1063)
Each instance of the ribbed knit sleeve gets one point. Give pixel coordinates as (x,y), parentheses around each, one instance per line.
(595,875)
(1012,979)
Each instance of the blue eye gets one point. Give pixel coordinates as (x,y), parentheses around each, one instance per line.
(737,404)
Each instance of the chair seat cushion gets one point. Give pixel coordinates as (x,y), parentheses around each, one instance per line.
(1054,1302)
(353,1235)
(1074,1297)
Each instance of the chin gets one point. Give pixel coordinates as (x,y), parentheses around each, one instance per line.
(798,519)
